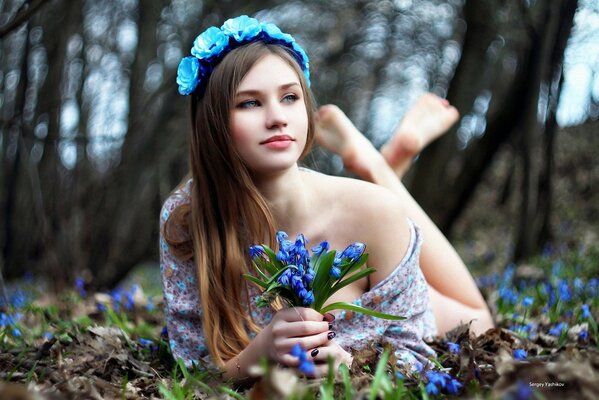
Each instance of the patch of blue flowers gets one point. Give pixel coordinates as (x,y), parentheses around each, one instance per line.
(438,382)
(563,300)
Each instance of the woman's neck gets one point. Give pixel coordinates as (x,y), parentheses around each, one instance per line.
(287,197)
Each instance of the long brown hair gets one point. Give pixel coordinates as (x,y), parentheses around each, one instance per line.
(227,213)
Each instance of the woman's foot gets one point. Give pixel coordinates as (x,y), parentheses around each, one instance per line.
(336,133)
(426,120)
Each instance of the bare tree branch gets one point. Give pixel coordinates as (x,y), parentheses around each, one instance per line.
(23,15)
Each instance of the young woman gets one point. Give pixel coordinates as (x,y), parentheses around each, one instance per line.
(253,118)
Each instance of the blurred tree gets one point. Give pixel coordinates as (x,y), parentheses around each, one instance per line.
(92,134)
(512,55)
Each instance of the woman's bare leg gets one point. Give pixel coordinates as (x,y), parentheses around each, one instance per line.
(428,118)
(454,294)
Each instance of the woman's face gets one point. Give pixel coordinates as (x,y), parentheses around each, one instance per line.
(269,120)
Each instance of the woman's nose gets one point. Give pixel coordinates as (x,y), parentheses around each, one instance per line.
(276,116)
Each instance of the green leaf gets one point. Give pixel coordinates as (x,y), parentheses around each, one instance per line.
(274,263)
(347,384)
(352,307)
(350,279)
(322,278)
(348,268)
(256,280)
(379,376)
(265,265)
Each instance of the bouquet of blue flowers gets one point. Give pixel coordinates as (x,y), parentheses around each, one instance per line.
(309,280)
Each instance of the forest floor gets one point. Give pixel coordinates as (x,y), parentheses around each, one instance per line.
(81,345)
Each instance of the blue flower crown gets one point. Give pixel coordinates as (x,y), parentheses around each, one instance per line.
(212,45)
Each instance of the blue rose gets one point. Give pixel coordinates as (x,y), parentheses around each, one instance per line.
(242,28)
(188,75)
(210,44)
(272,33)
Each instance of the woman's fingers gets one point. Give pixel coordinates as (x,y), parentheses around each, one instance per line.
(300,314)
(299,328)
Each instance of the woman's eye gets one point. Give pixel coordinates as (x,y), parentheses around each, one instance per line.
(248,104)
(290,98)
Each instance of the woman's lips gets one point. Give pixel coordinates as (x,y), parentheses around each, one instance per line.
(278,142)
(277,138)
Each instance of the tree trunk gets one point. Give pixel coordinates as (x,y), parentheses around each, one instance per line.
(538,138)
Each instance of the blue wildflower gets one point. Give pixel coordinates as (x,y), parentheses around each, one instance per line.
(306,365)
(508,295)
(508,274)
(164,331)
(583,335)
(335,272)
(281,235)
(586,312)
(145,342)
(256,251)
(6,320)
(520,354)
(309,276)
(564,290)
(523,391)
(558,329)
(101,307)
(297,351)
(48,335)
(150,305)
(18,299)
(453,386)
(16,332)
(432,389)
(527,301)
(80,286)
(453,347)
(285,277)
(129,300)
(438,378)
(321,248)
(296,283)
(308,298)
(354,251)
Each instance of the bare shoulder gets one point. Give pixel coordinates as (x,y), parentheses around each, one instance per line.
(355,197)
(369,213)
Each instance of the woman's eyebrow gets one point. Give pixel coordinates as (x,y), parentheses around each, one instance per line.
(253,92)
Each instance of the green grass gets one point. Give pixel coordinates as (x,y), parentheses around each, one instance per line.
(39,340)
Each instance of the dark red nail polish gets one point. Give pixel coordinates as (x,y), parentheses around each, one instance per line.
(330,326)
(314,353)
(331,335)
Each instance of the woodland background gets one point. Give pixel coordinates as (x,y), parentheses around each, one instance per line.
(93,132)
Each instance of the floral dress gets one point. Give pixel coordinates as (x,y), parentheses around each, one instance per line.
(404,292)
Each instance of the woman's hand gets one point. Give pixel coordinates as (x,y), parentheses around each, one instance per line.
(321,356)
(308,328)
